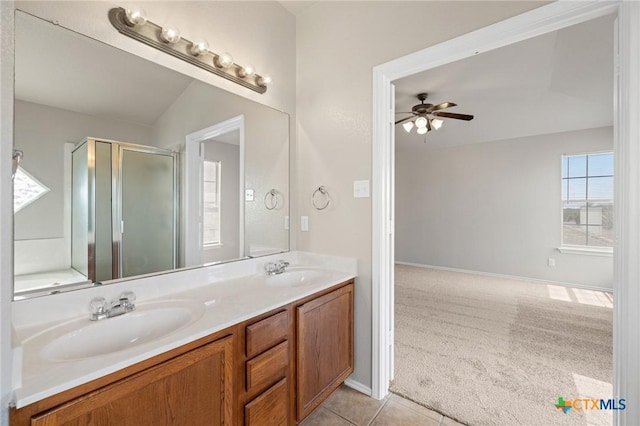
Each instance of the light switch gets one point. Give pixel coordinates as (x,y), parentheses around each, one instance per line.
(286,222)
(360,189)
(304,223)
(248,194)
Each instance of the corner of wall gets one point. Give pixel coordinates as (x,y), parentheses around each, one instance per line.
(6,213)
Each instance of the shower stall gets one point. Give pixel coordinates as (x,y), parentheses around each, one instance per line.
(124,209)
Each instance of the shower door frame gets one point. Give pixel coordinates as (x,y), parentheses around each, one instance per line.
(116,197)
(116,186)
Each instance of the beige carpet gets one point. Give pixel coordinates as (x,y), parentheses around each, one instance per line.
(495,351)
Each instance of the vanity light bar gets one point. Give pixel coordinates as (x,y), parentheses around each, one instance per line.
(168,40)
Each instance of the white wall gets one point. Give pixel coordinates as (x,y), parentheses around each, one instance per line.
(338,43)
(494,207)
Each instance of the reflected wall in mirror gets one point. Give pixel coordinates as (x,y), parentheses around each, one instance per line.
(72,91)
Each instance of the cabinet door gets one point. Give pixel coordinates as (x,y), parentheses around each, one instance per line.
(325,347)
(192,389)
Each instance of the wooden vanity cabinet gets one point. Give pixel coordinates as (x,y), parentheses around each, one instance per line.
(271,370)
(324,347)
(191,389)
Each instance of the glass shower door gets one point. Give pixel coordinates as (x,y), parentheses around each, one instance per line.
(148,202)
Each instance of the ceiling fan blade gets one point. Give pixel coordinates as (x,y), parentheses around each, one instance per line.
(442,106)
(465,117)
(405,119)
(404,112)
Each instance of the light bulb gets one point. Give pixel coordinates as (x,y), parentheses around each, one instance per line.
(223,60)
(199,47)
(421,123)
(421,130)
(246,71)
(264,80)
(170,34)
(436,123)
(408,126)
(134,16)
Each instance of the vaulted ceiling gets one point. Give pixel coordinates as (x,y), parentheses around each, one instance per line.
(557,82)
(59,68)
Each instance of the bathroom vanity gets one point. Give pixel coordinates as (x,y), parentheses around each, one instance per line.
(260,350)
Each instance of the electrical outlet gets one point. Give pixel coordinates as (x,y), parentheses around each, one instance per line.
(286,222)
(304,223)
(551,262)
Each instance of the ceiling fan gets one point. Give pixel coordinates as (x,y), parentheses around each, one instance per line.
(425,116)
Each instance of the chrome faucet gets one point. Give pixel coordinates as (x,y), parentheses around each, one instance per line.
(275,268)
(100,309)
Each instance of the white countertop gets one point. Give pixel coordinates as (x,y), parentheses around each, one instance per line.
(226,301)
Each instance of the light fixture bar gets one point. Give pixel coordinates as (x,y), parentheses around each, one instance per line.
(151,35)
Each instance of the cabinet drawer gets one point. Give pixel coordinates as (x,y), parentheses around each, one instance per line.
(270,408)
(267,333)
(268,368)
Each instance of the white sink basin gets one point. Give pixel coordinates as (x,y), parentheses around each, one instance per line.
(82,338)
(295,278)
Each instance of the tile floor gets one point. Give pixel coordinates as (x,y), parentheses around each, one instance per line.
(347,407)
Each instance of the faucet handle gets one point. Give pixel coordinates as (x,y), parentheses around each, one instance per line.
(283,263)
(98,308)
(127,300)
(129,295)
(270,268)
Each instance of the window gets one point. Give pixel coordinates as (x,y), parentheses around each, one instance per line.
(26,189)
(587,200)
(211,203)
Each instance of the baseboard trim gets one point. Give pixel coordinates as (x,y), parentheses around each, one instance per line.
(353,384)
(513,277)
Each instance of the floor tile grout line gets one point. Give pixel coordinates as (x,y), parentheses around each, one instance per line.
(442,416)
(379,410)
(340,415)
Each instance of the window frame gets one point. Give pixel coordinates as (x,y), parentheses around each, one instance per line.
(576,248)
(206,244)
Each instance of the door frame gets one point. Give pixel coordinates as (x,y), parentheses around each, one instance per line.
(547,18)
(192,189)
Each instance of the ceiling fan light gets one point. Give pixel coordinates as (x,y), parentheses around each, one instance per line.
(408,126)
(421,130)
(421,122)
(436,123)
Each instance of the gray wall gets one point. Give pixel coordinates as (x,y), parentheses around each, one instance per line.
(266,153)
(41,132)
(229,157)
(494,207)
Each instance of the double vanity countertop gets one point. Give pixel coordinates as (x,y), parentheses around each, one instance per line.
(57,347)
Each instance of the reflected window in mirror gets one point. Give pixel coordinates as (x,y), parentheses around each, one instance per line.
(211,203)
(26,189)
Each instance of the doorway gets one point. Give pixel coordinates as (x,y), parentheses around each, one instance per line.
(626,271)
(214,202)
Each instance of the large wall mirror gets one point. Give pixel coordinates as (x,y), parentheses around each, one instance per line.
(131,168)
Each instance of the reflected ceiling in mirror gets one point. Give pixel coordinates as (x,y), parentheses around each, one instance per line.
(70,89)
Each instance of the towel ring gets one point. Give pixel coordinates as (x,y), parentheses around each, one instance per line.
(327,198)
(271,199)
